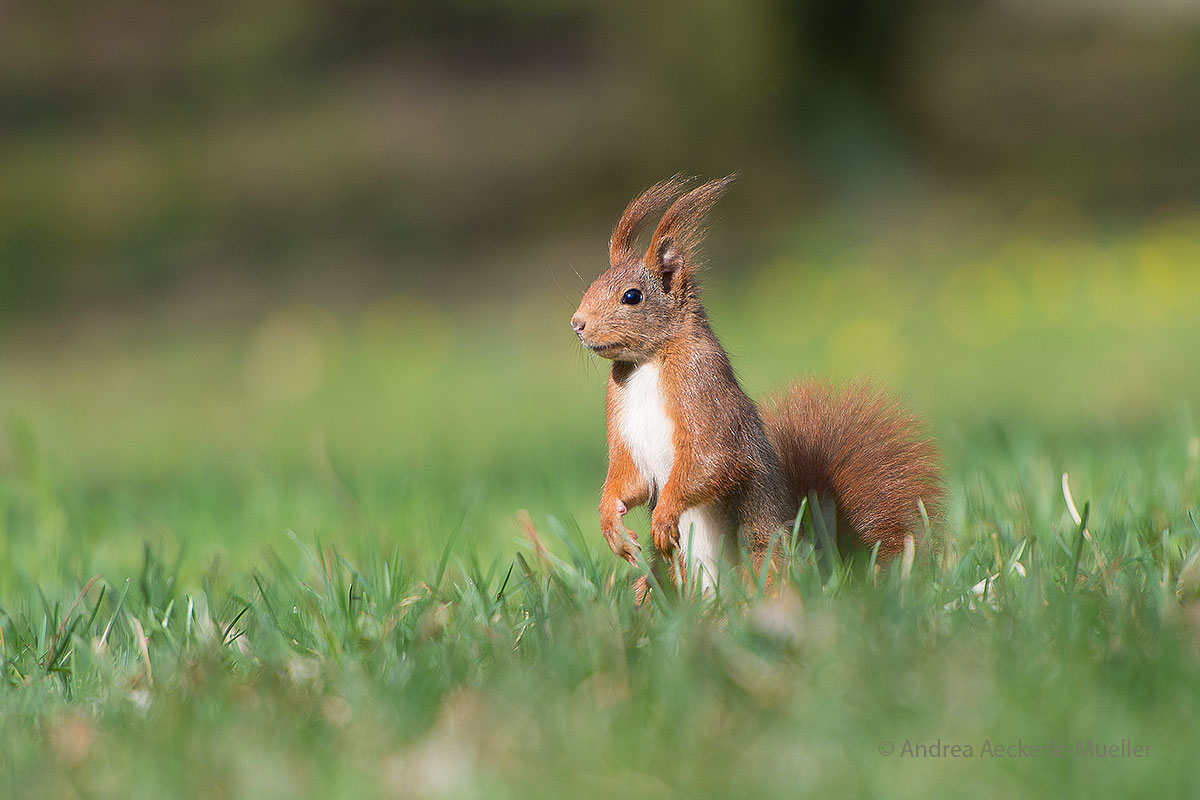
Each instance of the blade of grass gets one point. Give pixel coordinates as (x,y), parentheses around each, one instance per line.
(1083,518)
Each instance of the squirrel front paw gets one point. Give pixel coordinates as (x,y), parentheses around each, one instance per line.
(665,530)
(622,541)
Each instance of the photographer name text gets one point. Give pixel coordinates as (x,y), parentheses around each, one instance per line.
(989,748)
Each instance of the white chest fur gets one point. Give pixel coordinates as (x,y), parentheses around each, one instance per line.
(649,433)
(646,427)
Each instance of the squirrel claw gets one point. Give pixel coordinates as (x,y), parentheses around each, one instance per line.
(666,536)
(623,542)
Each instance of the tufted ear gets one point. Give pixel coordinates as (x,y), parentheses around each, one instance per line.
(622,245)
(674,249)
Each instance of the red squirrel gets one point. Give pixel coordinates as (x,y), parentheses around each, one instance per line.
(684,438)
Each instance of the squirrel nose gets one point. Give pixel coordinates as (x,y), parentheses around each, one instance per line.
(578,323)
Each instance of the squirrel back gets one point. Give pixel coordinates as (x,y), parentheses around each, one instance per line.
(685,439)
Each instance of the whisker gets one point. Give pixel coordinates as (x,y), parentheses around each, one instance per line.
(582,283)
(566,298)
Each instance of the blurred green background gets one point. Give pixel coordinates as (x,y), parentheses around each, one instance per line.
(284,294)
(337,149)
(294,264)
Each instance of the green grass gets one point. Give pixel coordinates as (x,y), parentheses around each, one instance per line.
(312,520)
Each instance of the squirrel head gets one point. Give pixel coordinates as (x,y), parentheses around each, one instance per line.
(642,301)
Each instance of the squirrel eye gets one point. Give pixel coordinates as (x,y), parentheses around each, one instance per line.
(631,297)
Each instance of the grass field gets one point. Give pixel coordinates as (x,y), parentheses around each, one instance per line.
(281,554)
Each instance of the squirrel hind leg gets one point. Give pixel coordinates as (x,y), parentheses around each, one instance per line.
(641,591)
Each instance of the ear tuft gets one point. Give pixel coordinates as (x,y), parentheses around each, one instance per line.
(623,245)
(674,249)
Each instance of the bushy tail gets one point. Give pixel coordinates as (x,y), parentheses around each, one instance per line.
(861,450)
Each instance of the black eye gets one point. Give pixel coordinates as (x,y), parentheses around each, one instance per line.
(632,297)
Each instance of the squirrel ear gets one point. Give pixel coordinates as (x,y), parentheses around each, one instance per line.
(669,261)
(674,250)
